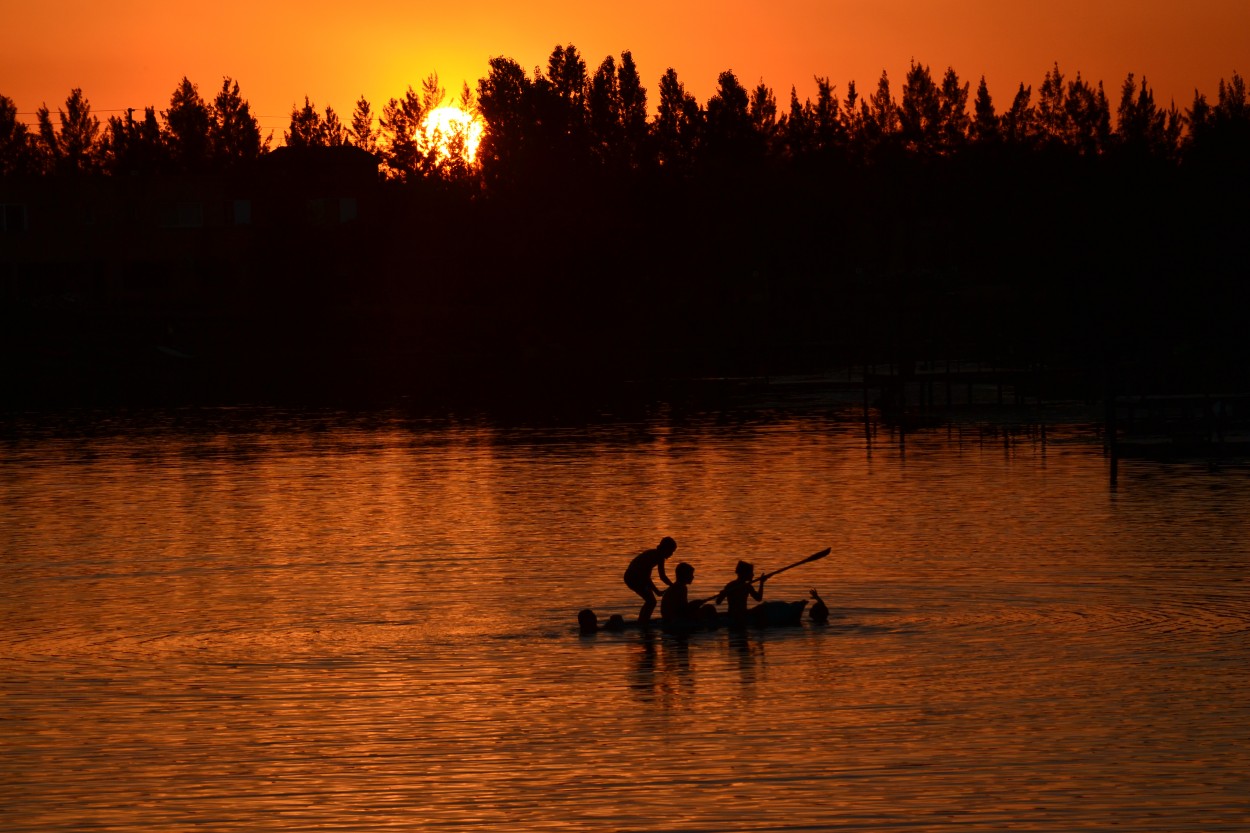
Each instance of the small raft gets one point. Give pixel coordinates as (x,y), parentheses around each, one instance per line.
(772,614)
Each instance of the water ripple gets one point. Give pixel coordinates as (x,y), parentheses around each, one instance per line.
(334,624)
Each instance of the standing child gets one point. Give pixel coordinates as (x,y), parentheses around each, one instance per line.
(638,576)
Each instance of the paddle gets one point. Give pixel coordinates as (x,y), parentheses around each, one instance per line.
(813,557)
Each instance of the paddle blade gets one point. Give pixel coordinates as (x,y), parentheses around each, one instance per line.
(816,556)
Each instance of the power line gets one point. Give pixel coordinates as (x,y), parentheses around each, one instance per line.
(93,109)
(127,110)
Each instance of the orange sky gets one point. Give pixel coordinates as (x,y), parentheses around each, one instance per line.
(132,54)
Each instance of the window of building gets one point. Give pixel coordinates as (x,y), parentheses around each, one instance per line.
(182,215)
(13,218)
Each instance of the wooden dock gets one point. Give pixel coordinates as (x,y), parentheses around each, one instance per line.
(1210,424)
(931,386)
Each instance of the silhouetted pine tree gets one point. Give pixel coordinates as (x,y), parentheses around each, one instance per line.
(1087,118)
(880,114)
(1141,127)
(16,152)
(730,138)
(984,129)
(135,146)
(361,132)
(187,124)
(233,133)
(312,129)
(797,131)
(919,112)
(953,120)
(1220,134)
(400,131)
(1051,113)
(504,100)
(74,147)
(678,125)
(562,130)
(604,105)
(853,119)
(1019,123)
(828,129)
(633,111)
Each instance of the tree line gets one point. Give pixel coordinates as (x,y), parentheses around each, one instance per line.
(566,119)
(199,135)
(602,233)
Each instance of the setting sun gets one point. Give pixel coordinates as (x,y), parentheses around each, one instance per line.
(451,131)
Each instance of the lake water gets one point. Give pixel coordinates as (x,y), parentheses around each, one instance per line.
(266,620)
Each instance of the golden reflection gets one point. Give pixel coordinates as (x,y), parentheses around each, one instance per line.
(375,628)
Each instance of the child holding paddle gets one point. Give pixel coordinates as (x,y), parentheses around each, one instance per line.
(738,590)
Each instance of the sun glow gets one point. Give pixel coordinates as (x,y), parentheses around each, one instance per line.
(450,131)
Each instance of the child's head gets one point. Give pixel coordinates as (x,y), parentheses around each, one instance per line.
(819,611)
(587,621)
(745,570)
(685,573)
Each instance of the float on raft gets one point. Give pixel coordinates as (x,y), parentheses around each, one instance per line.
(772,614)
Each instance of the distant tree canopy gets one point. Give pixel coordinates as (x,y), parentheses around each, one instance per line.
(191,136)
(17,145)
(73,148)
(894,219)
(567,123)
(234,134)
(311,129)
(400,130)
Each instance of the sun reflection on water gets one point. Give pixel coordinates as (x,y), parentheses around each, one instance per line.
(361,625)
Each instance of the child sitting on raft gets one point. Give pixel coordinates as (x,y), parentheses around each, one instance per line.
(739,590)
(675,605)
